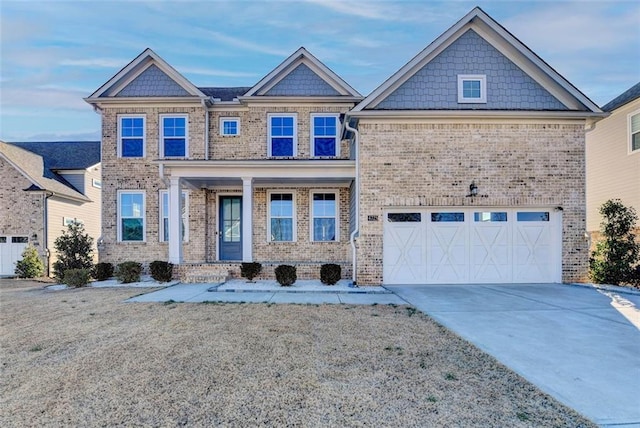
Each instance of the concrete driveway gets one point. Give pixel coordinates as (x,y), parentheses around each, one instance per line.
(576,343)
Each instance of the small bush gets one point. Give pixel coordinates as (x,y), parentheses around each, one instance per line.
(286,275)
(31,265)
(128,272)
(330,273)
(77,277)
(161,271)
(102,271)
(74,249)
(250,270)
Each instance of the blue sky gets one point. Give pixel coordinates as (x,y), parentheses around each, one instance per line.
(54,53)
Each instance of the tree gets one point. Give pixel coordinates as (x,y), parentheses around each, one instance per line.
(31,265)
(74,250)
(616,256)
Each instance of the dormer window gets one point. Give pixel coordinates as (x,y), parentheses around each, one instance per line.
(472,88)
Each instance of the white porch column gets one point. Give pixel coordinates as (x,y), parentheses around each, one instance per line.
(247,219)
(175,221)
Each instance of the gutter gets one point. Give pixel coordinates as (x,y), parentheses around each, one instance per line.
(206,129)
(356,229)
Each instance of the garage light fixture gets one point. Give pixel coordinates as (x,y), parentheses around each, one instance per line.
(473,190)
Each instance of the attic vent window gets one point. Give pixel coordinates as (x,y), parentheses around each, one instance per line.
(472,88)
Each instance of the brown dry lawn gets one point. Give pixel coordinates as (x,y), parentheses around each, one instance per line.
(85,358)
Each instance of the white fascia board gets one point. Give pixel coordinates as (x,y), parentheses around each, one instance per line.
(475,114)
(338,99)
(146,101)
(342,169)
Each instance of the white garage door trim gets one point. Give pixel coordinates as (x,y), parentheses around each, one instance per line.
(11,248)
(457,245)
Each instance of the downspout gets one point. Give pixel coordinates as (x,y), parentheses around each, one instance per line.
(356,229)
(206,130)
(45,231)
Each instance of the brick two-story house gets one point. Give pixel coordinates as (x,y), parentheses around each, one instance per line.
(467,165)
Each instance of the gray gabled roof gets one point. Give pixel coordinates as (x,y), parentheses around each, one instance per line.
(32,166)
(626,97)
(64,154)
(225,94)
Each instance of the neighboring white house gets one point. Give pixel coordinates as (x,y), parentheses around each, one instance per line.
(613,158)
(44,186)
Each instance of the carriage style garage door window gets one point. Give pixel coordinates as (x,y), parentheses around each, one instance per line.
(462,245)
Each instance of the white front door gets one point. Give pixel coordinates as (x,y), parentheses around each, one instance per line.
(11,248)
(479,245)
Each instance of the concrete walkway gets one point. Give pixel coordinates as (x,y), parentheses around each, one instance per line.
(573,342)
(302,292)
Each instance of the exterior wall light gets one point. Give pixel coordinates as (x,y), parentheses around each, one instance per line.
(473,190)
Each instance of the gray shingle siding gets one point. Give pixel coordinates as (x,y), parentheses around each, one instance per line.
(435,86)
(302,81)
(153,83)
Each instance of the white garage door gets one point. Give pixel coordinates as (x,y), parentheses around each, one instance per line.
(11,248)
(462,245)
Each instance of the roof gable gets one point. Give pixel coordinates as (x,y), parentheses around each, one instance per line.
(147,75)
(435,85)
(420,84)
(302,74)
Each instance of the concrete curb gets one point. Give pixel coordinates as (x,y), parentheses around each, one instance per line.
(607,287)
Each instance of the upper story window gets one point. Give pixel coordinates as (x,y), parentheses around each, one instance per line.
(634,131)
(173,136)
(281,226)
(324,135)
(324,212)
(472,88)
(131,136)
(229,126)
(131,215)
(164,216)
(282,134)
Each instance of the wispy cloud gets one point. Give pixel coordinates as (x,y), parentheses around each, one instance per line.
(95,62)
(244,44)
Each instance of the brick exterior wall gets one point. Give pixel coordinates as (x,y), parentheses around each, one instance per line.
(252,141)
(143,174)
(432,164)
(21,213)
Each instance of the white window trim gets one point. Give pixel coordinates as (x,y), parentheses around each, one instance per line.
(294,221)
(229,119)
(312,135)
(144,134)
(161,217)
(161,134)
(295,132)
(311,213)
(630,135)
(144,213)
(483,88)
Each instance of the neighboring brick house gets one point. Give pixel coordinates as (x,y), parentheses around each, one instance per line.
(43,186)
(467,165)
(613,158)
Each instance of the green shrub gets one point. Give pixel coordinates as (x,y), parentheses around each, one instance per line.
(286,275)
(615,258)
(74,250)
(330,273)
(77,277)
(161,271)
(31,265)
(102,271)
(128,272)
(250,270)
